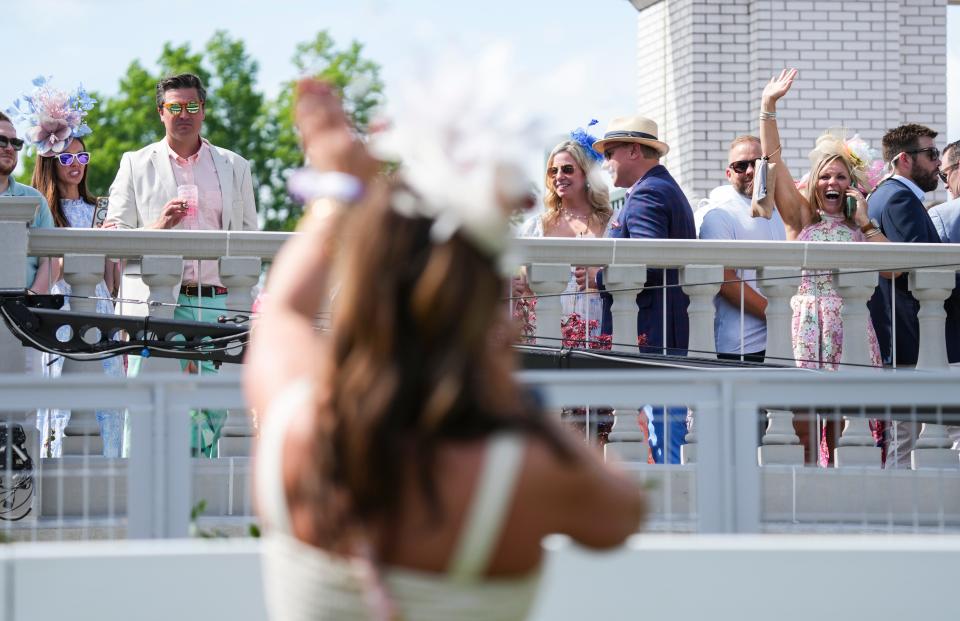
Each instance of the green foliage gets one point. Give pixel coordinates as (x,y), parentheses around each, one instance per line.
(238,116)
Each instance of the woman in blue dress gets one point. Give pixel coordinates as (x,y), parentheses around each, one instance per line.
(62,179)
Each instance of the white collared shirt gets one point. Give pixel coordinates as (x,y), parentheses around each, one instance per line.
(913,186)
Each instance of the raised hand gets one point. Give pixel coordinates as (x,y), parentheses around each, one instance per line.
(862,216)
(777,87)
(328,140)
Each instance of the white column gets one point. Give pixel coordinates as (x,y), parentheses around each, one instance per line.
(701,283)
(15,214)
(931,288)
(548,280)
(82,272)
(856,446)
(780,443)
(779,284)
(627,440)
(933,449)
(855,288)
(239,275)
(625,282)
(161,274)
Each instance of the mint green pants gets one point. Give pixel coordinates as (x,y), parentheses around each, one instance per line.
(206,425)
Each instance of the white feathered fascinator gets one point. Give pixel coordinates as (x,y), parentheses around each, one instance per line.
(461,140)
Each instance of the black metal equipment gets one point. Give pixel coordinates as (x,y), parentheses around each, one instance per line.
(37,322)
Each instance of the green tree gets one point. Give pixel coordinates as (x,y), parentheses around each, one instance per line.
(358,82)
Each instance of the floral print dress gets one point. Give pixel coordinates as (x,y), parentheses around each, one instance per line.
(817,323)
(52,423)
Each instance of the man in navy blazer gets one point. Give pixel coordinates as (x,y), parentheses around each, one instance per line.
(897,207)
(655,207)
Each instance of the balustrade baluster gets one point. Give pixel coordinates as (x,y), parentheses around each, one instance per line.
(627,440)
(856,446)
(931,288)
(548,280)
(855,288)
(701,283)
(779,284)
(82,272)
(161,274)
(625,282)
(15,214)
(780,443)
(239,275)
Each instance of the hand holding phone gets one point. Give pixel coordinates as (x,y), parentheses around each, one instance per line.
(849,207)
(100,212)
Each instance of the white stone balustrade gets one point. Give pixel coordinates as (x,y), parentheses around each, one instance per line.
(82,272)
(548,281)
(856,446)
(780,443)
(779,284)
(625,282)
(856,288)
(701,283)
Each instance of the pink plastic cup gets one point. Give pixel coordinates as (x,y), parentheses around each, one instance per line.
(191,195)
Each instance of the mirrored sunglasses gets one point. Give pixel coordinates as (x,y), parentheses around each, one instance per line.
(175,108)
(66,159)
(566,169)
(16,143)
(741,166)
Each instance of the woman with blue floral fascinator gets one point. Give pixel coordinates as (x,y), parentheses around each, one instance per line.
(576,203)
(56,129)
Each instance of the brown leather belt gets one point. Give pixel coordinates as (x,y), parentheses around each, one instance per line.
(207,291)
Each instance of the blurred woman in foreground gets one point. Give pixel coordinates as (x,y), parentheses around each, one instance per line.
(401,470)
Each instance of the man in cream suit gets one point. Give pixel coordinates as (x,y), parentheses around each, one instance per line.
(150,192)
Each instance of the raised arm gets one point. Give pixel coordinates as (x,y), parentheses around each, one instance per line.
(284,344)
(789,201)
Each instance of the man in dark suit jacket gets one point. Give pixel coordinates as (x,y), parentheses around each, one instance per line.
(655,207)
(897,207)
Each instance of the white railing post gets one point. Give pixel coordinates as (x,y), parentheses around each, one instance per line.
(239,275)
(548,280)
(856,446)
(855,288)
(626,439)
(701,283)
(161,274)
(15,215)
(931,287)
(82,272)
(688,450)
(624,282)
(780,443)
(779,284)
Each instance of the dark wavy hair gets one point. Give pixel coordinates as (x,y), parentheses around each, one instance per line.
(45,182)
(420,355)
(183,80)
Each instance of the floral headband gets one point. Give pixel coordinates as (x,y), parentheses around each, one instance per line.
(53,118)
(865,162)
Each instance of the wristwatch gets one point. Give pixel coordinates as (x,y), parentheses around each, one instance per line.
(870,226)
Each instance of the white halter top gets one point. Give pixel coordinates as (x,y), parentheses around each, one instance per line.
(303,582)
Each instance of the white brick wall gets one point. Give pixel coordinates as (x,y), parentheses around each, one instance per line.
(864,65)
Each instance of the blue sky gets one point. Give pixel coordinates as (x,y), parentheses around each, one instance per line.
(586,48)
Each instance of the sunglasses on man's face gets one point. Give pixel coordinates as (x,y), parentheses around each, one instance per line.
(66,159)
(16,143)
(932,152)
(943,172)
(175,108)
(566,169)
(742,166)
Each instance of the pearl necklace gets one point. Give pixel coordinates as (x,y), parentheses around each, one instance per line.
(572,216)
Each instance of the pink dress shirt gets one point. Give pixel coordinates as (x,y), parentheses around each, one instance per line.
(200,170)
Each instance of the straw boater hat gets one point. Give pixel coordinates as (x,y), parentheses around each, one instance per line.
(638,129)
